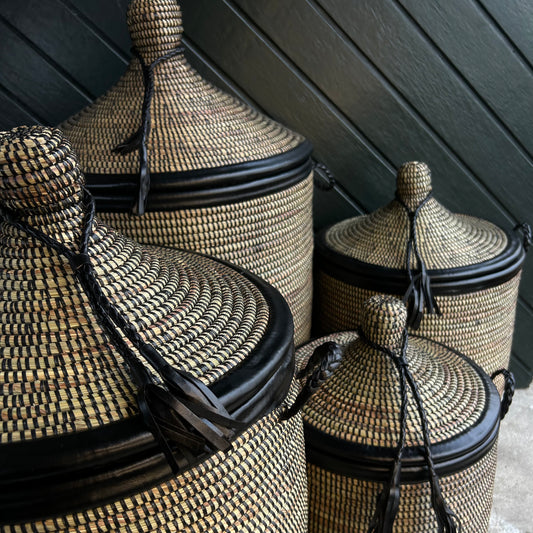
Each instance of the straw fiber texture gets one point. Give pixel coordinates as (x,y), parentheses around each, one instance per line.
(340,504)
(196,126)
(61,374)
(478,323)
(259,485)
(361,404)
(361,401)
(445,239)
(271,235)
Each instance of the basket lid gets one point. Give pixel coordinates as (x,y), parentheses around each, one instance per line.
(416,247)
(354,422)
(163,106)
(105,340)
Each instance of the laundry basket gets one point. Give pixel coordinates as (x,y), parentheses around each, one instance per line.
(202,170)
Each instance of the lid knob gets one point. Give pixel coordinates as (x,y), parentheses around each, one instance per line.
(155,27)
(384,321)
(40,180)
(413,183)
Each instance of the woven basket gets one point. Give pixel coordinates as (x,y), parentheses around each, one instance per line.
(210,173)
(353,429)
(141,388)
(458,274)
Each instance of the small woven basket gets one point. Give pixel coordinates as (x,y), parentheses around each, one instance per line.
(141,388)
(459,275)
(403,436)
(209,173)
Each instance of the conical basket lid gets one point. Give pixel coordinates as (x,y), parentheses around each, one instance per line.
(356,415)
(192,124)
(97,328)
(444,240)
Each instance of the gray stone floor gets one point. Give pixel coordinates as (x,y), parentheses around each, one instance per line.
(512,510)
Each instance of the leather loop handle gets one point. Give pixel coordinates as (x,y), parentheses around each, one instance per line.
(527,235)
(508,392)
(324,360)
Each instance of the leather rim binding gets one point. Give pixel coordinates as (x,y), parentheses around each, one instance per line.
(374,463)
(198,188)
(60,475)
(444,282)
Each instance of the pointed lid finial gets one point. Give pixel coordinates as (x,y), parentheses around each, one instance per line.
(155,27)
(384,320)
(40,178)
(413,183)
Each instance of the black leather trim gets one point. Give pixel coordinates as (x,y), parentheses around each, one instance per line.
(374,462)
(444,282)
(58,475)
(198,188)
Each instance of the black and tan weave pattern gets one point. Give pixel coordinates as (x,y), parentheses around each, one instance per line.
(282,255)
(60,374)
(456,400)
(477,319)
(351,502)
(196,127)
(478,324)
(205,319)
(259,485)
(361,405)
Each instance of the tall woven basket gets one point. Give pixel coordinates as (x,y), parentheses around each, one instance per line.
(202,170)
(458,274)
(141,388)
(403,437)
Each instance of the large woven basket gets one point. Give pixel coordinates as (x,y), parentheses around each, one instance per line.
(458,274)
(372,468)
(212,174)
(141,388)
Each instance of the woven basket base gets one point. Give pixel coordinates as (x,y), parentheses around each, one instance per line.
(339,504)
(260,485)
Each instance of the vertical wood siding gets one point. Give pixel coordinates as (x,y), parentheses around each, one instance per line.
(372,84)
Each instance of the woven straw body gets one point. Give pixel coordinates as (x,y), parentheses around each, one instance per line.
(260,485)
(68,393)
(473,270)
(223,179)
(353,429)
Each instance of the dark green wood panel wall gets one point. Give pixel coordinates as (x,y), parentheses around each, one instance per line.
(371,83)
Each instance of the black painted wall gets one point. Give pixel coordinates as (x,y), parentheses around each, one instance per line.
(372,83)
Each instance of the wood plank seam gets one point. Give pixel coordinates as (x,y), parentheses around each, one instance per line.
(482,101)
(124,55)
(305,80)
(82,91)
(16,100)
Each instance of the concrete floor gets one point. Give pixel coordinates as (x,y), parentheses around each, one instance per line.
(512,510)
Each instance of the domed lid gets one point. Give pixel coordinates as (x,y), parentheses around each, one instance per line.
(395,402)
(414,236)
(100,333)
(360,404)
(163,117)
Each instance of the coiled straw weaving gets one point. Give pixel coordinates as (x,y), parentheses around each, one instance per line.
(403,436)
(133,358)
(459,275)
(210,173)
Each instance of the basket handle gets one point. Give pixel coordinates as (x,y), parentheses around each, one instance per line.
(325,359)
(527,237)
(508,392)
